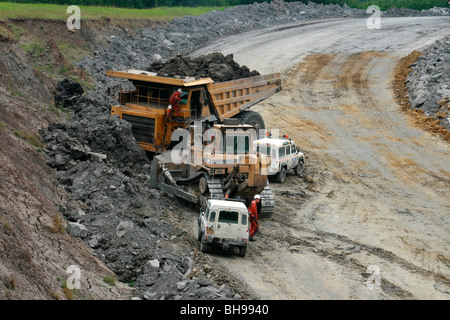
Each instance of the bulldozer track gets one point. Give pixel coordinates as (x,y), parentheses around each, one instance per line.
(267,202)
(215,187)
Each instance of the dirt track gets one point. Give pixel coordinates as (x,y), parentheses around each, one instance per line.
(377,186)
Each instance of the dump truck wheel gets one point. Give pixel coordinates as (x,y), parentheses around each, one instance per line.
(252,118)
(281,176)
(203,185)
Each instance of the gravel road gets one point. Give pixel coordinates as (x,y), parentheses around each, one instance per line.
(376,187)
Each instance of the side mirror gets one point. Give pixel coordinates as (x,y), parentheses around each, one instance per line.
(202,211)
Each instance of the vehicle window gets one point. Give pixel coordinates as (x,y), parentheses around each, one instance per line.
(242,144)
(282,152)
(229,216)
(293,148)
(212,216)
(237,144)
(263,149)
(288,150)
(274,153)
(207,214)
(244,220)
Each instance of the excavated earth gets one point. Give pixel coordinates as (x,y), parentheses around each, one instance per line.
(428,82)
(374,195)
(74,183)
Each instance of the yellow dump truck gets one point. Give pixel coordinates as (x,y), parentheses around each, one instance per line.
(145,107)
(219,106)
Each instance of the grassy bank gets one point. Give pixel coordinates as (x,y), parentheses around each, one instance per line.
(58,12)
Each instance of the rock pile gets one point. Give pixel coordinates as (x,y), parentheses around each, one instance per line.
(113,209)
(215,65)
(429,82)
(67,93)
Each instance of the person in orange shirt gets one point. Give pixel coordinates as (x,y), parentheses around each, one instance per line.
(253,210)
(174,108)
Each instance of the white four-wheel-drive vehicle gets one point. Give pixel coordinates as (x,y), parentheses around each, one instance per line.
(284,156)
(224,223)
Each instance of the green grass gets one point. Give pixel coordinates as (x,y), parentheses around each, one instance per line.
(36,50)
(109,280)
(30,138)
(68,293)
(58,12)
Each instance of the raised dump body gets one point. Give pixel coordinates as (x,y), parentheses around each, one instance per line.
(145,107)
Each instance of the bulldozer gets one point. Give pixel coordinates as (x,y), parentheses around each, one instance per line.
(206,105)
(225,168)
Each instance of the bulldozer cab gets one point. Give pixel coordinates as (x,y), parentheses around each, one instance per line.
(229,143)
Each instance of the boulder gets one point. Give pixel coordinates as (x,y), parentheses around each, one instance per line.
(77,230)
(123,227)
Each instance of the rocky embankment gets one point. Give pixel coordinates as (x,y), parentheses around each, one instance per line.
(131,227)
(429,82)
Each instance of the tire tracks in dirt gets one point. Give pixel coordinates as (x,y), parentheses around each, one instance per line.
(365,170)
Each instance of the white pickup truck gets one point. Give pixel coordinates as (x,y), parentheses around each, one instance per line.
(284,156)
(224,223)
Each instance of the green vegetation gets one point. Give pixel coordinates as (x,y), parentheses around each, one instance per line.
(168,9)
(2,126)
(7,226)
(35,50)
(5,34)
(58,226)
(165,10)
(386,4)
(109,280)
(70,294)
(11,283)
(58,12)
(54,295)
(42,62)
(32,139)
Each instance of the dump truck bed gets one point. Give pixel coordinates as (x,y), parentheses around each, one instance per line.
(232,97)
(228,98)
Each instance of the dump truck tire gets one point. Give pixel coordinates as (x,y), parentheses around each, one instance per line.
(252,118)
(203,185)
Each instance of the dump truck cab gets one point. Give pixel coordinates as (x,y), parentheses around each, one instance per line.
(146,107)
(284,156)
(224,223)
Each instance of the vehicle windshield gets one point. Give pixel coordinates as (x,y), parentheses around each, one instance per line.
(263,149)
(237,144)
(229,216)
